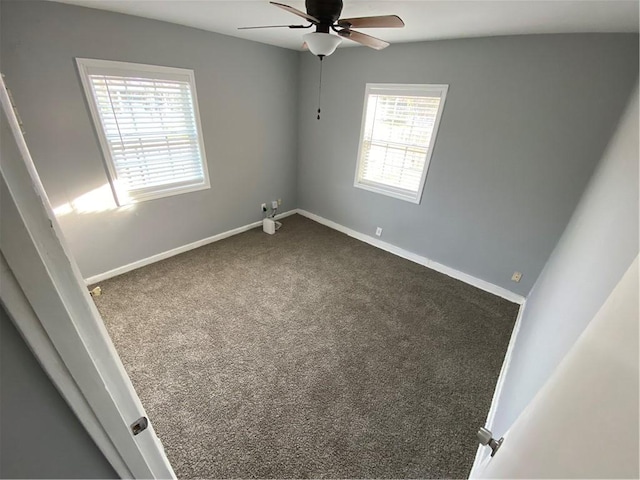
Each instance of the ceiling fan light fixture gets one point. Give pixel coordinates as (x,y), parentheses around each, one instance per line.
(322,44)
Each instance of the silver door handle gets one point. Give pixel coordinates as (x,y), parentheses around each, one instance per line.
(485,437)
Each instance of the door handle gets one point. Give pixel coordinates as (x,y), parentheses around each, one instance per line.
(485,437)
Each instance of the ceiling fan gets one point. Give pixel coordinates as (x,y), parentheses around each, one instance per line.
(325,16)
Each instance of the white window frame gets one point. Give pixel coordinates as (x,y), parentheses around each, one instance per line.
(439,90)
(87,66)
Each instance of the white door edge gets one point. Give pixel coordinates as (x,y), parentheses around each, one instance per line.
(66,328)
(483,452)
(583,422)
(27,323)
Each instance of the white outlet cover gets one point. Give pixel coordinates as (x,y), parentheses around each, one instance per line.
(516,277)
(274,204)
(379,231)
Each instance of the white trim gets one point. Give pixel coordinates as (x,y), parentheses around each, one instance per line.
(35,251)
(164,191)
(88,65)
(483,452)
(505,366)
(424,90)
(412,197)
(108,66)
(30,328)
(414,257)
(175,251)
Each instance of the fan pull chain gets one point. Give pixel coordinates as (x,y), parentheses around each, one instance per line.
(321,57)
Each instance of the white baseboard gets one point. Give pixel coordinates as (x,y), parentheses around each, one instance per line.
(483,452)
(414,257)
(175,251)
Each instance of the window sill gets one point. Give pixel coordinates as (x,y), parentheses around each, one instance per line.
(128,198)
(389,192)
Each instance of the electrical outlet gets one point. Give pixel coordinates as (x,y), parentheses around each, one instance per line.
(263,207)
(279,201)
(274,204)
(516,276)
(379,231)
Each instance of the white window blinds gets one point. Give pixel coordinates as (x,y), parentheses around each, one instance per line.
(398,132)
(149,128)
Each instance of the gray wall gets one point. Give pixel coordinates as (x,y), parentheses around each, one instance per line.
(594,252)
(246,95)
(40,437)
(525,122)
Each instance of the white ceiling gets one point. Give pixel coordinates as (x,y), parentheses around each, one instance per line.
(425,20)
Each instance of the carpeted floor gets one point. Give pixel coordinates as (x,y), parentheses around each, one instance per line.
(308,354)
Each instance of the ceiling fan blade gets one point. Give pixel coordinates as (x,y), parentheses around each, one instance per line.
(275,26)
(382,21)
(367,40)
(295,11)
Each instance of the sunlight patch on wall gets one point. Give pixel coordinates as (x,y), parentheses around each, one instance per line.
(63,209)
(95,201)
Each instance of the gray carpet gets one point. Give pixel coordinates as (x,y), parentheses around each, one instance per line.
(308,354)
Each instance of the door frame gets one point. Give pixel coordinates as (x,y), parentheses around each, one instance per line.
(46,297)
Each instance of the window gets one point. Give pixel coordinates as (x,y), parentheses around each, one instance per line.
(148,125)
(399,128)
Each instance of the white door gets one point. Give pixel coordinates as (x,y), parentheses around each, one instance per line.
(584,422)
(44,293)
